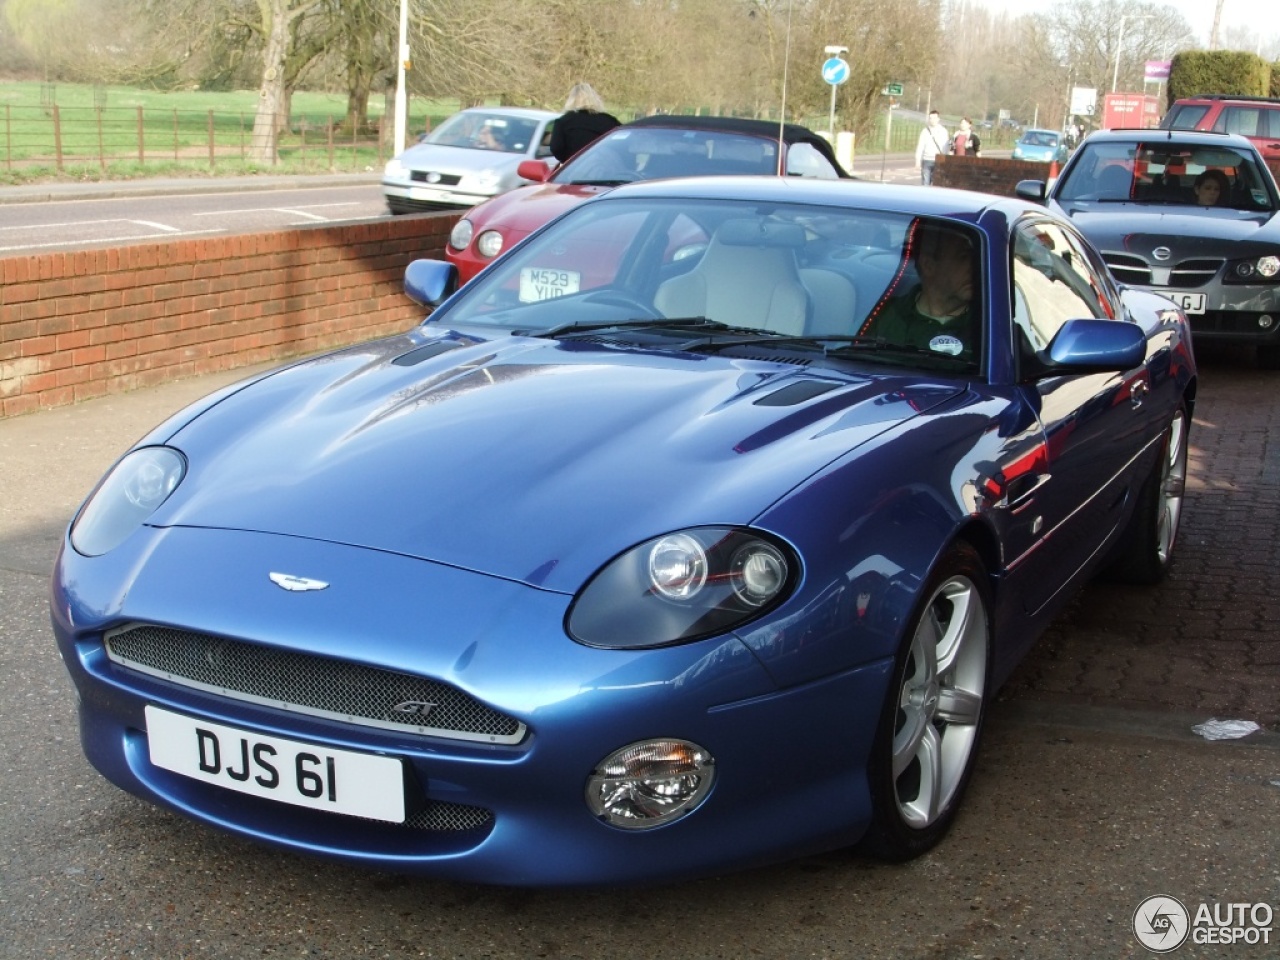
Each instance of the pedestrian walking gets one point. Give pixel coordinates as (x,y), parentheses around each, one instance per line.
(934,140)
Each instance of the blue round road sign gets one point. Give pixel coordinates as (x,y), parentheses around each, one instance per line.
(835,71)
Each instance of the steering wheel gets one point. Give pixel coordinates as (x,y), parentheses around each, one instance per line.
(615,298)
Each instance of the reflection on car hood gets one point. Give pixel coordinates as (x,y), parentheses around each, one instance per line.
(521,211)
(460,160)
(1135,227)
(523,458)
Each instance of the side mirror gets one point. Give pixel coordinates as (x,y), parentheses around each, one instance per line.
(1097,346)
(430,282)
(1033,190)
(535,170)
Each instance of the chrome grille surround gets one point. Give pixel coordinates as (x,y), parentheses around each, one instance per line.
(1128,268)
(1194,273)
(308,684)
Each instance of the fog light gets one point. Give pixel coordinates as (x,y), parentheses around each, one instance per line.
(1265,321)
(650,783)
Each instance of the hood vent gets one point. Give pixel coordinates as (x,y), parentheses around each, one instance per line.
(796,393)
(425,352)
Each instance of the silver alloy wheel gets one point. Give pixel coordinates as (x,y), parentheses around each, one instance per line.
(940,703)
(1173,485)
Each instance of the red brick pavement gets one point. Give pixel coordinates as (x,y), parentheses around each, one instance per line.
(1207,640)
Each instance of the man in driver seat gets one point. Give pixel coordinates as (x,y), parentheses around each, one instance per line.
(937,314)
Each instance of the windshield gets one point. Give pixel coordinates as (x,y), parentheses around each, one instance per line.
(1186,175)
(478,130)
(904,287)
(1039,138)
(648,153)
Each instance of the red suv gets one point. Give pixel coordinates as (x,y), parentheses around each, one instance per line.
(1257,118)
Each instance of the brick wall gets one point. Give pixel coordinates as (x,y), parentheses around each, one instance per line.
(94,322)
(990,175)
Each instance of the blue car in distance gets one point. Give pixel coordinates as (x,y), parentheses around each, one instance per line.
(696,533)
(1041,146)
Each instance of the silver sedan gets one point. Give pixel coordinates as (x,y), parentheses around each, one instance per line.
(469,158)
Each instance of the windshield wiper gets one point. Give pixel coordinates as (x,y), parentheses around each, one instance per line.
(677,323)
(823,343)
(602,183)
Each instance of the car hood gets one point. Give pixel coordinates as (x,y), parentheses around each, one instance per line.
(527,459)
(521,211)
(457,160)
(1137,228)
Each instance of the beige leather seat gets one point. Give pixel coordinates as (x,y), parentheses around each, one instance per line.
(747,277)
(832,301)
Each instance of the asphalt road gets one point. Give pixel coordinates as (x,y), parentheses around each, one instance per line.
(1091,793)
(45,217)
(109,215)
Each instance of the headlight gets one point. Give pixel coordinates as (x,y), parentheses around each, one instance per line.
(130,493)
(489,244)
(651,783)
(394,169)
(681,587)
(1253,270)
(460,235)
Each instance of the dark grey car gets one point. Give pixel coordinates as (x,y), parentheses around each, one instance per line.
(1141,197)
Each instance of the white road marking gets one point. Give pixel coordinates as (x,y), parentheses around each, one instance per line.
(297,211)
(127,239)
(86,223)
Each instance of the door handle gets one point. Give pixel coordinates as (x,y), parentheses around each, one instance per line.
(1138,391)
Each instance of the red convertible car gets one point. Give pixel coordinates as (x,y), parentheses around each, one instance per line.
(646,149)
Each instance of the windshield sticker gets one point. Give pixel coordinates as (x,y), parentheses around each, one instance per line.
(948,345)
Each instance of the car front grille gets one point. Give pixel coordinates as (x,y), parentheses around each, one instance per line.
(1128,269)
(315,686)
(1187,274)
(441,179)
(1194,273)
(449,818)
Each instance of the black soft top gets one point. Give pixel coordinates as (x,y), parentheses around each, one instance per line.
(791,132)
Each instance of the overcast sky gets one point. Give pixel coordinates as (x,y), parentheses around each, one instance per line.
(1262,17)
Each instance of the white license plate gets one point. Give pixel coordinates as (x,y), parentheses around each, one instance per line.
(303,774)
(430,194)
(1189,302)
(542,283)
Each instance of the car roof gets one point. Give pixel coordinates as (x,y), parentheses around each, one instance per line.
(1225,98)
(1042,130)
(790,132)
(1153,134)
(529,113)
(958,204)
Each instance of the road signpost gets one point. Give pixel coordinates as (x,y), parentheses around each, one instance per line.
(890,90)
(835,71)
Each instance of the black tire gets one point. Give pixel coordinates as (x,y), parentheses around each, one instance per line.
(934,710)
(1146,547)
(1269,358)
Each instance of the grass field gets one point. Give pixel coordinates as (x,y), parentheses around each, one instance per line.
(75,131)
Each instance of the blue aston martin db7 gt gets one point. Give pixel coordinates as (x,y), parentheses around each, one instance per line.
(695,533)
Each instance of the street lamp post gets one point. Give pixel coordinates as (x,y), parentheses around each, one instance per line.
(402,98)
(1115,74)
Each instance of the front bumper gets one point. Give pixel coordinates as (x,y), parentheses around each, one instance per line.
(421,196)
(790,764)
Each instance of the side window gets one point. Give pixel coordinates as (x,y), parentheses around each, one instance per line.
(1053,282)
(544,145)
(1269,123)
(1242,120)
(804,160)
